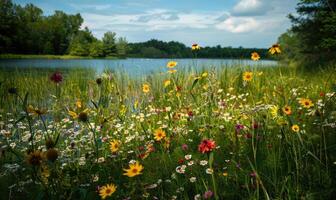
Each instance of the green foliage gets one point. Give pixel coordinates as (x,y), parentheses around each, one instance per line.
(315,30)
(159,49)
(96,49)
(109,44)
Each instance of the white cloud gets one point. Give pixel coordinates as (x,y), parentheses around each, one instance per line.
(239,24)
(252,7)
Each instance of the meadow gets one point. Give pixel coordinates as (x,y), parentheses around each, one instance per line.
(229,133)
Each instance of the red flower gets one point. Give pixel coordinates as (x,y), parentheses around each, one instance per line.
(56,77)
(206,146)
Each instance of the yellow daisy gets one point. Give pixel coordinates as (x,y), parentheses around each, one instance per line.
(166,83)
(306,103)
(247,76)
(133,169)
(275,49)
(159,134)
(295,128)
(171,64)
(145,88)
(114,145)
(107,190)
(255,56)
(195,47)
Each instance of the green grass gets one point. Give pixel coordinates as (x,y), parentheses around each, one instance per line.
(265,159)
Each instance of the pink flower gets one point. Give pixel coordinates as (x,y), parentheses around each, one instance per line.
(56,77)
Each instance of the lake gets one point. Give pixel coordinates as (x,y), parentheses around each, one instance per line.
(133,66)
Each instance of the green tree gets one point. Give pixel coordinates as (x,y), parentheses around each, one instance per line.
(122,47)
(109,43)
(80,44)
(315,28)
(96,49)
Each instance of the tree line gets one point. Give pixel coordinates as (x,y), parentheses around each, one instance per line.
(25,30)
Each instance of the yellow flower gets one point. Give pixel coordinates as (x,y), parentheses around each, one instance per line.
(73,114)
(145,88)
(274,111)
(107,190)
(171,64)
(295,128)
(195,47)
(287,110)
(255,56)
(247,76)
(159,134)
(205,74)
(172,71)
(166,83)
(275,49)
(114,145)
(225,174)
(133,169)
(306,103)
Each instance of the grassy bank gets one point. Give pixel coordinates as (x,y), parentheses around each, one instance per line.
(231,133)
(65,57)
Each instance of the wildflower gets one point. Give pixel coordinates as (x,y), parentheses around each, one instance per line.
(184,147)
(172,71)
(159,134)
(192,179)
(166,83)
(203,162)
(295,128)
(209,171)
(306,103)
(225,174)
(195,47)
(206,146)
(275,49)
(56,77)
(187,157)
(208,194)
(52,155)
(181,169)
(114,145)
(35,158)
(247,76)
(107,190)
(274,111)
(197,197)
(133,170)
(204,74)
(287,110)
(171,64)
(145,88)
(255,56)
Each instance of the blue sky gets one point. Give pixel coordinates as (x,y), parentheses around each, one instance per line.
(247,23)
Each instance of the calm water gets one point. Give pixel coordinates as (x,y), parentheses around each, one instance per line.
(132,66)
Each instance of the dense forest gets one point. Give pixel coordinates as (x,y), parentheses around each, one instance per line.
(25,30)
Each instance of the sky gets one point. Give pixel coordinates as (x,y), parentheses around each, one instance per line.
(246,23)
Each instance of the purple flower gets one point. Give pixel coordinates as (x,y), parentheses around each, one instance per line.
(56,77)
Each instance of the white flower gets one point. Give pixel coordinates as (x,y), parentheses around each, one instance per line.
(190,163)
(187,157)
(197,197)
(209,171)
(101,160)
(81,161)
(203,162)
(181,169)
(12,145)
(192,179)
(132,162)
